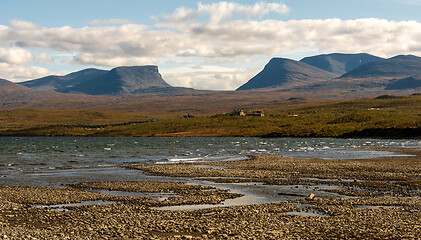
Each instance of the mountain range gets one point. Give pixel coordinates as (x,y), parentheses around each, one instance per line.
(327,76)
(339,71)
(317,72)
(398,66)
(340,63)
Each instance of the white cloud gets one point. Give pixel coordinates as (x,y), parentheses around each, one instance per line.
(270,37)
(90,59)
(44,58)
(20,73)
(220,11)
(223,34)
(14,55)
(207,77)
(23,24)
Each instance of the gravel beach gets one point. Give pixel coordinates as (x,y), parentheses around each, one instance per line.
(382,201)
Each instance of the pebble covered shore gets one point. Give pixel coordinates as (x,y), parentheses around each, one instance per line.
(384,202)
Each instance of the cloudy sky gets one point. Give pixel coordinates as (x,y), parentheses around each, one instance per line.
(205,45)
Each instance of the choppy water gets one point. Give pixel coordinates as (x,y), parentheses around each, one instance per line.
(56,161)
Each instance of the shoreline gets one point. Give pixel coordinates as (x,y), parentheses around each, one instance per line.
(349,135)
(384,202)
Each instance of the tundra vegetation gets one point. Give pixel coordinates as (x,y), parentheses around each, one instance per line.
(329,119)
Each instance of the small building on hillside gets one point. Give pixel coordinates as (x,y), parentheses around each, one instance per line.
(239,112)
(256,114)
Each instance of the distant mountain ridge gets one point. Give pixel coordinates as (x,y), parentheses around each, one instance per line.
(398,66)
(142,88)
(364,71)
(340,63)
(283,72)
(118,81)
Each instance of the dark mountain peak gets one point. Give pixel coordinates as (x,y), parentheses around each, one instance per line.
(152,68)
(85,73)
(278,60)
(278,63)
(409,57)
(340,63)
(395,67)
(283,72)
(140,76)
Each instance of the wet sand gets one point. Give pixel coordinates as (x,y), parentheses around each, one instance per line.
(379,199)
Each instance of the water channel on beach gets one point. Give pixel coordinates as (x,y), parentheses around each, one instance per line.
(59,161)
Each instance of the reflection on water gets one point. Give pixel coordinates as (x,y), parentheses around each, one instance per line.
(258,193)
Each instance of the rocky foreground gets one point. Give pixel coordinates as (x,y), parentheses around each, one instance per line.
(385,204)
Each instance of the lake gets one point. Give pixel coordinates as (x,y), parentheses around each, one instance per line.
(57,161)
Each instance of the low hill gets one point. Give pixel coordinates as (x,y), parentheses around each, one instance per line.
(8,86)
(340,63)
(282,72)
(405,83)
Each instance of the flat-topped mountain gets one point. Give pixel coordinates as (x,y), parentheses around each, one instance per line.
(340,63)
(282,72)
(118,81)
(121,81)
(395,67)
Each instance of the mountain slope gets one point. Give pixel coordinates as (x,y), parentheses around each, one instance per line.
(282,72)
(340,63)
(399,66)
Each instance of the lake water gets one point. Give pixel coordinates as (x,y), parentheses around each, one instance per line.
(57,161)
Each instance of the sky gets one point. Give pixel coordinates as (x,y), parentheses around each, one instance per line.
(215,45)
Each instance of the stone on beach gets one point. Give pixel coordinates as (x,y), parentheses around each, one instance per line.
(312,196)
